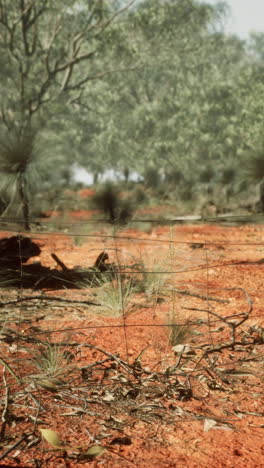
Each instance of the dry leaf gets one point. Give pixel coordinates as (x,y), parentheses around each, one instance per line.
(108,397)
(52,438)
(94,451)
(209,424)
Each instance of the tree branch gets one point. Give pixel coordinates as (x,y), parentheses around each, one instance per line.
(100,75)
(26,47)
(114,16)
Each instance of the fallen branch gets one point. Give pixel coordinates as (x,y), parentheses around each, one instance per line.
(45,298)
(5,409)
(10,449)
(227,345)
(60,263)
(200,296)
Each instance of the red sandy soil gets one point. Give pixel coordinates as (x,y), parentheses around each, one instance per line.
(86,193)
(152,428)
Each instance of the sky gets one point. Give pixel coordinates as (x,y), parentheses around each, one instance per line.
(246,16)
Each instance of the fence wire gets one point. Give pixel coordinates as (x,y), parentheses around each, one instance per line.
(168,321)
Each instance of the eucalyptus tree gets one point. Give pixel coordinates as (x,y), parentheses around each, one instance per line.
(192,103)
(155,44)
(186,97)
(149,108)
(48,52)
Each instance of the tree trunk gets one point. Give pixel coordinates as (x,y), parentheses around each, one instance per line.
(95,177)
(126,174)
(261,195)
(24,201)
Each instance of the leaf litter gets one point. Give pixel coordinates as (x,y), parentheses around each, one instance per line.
(133,407)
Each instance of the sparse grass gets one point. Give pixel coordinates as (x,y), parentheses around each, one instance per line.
(112,371)
(154,274)
(50,360)
(153,280)
(115,297)
(178,333)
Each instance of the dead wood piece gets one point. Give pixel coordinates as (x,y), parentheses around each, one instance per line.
(200,296)
(100,261)
(60,263)
(15,445)
(37,276)
(4,417)
(46,298)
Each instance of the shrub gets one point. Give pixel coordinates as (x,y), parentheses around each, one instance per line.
(17,153)
(152,177)
(228,175)
(178,333)
(175,176)
(108,200)
(207,175)
(255,167)
(140,196)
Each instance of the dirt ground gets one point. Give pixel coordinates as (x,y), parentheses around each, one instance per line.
(200,406)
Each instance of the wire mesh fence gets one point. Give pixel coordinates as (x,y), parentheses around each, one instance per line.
(104,330)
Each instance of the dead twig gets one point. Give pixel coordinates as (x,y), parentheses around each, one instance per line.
(60,263)
(200,296)
(10,449)
(122,363)
(46,298)
(231,344)
(5,410)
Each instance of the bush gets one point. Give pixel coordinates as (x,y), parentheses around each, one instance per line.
(152,177)
(255,167)
(207,175)
(228,175)
(186,192)
(174,177)
(140,196)
(108,200)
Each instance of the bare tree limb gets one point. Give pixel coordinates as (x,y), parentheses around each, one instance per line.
(114,16)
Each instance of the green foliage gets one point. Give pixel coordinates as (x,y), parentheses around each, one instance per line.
(228,175)
(160,87)
(174,176)
(17,153)
(152,177)
(140,196)
(207,174)
(46,47)
(27,165)
(196,109)
(254,165)
(186,191)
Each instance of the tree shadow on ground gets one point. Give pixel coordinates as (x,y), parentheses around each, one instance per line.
(15,251)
